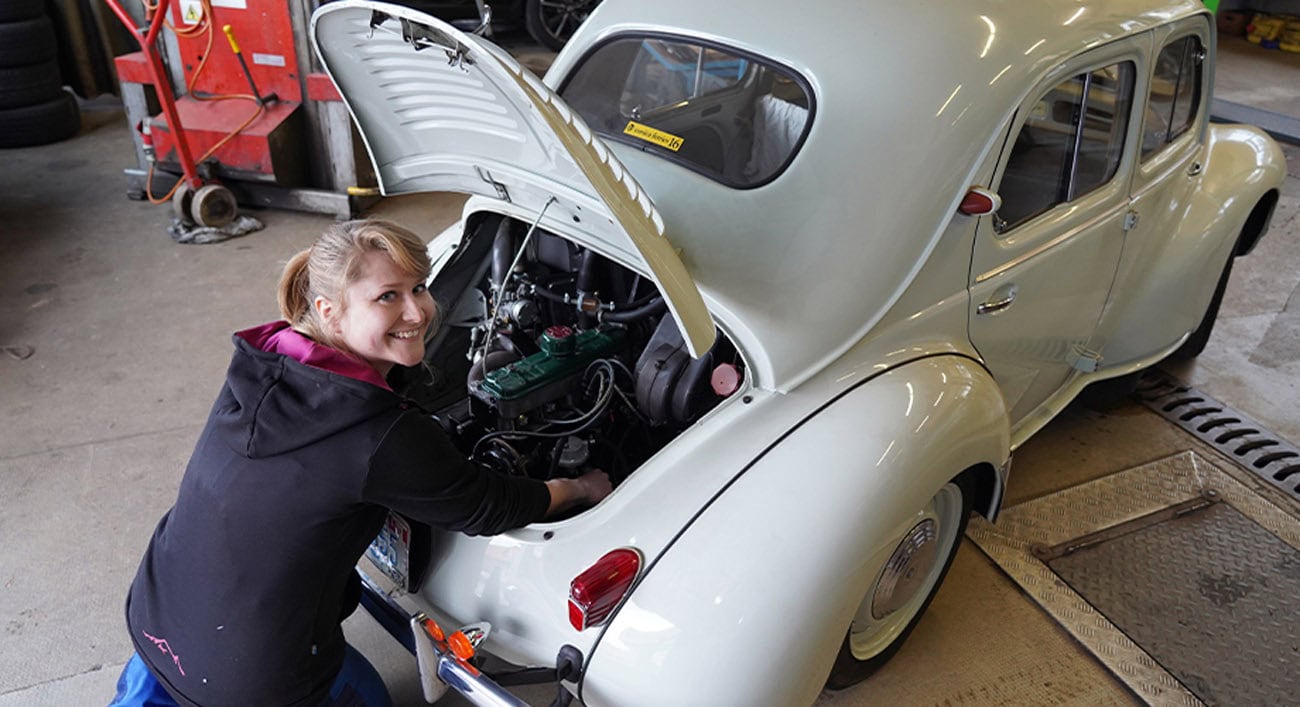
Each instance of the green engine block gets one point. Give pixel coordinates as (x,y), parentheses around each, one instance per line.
(520,386)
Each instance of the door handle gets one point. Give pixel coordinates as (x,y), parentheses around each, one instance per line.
(1002,299)
(1195,169)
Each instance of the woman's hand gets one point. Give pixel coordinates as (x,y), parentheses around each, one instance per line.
(586,490)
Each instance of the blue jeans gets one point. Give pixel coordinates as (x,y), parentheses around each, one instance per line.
(357,685)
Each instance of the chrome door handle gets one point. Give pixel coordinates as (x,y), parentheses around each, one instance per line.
(1195,169)
(1005,296)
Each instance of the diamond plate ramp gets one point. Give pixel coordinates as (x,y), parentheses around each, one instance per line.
(1211,595)
(1140,646)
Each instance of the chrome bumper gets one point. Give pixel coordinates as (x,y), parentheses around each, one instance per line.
(440,668)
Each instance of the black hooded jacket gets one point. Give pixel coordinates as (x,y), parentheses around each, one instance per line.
(239,597)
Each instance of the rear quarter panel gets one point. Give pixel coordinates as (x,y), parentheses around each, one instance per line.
(750,603)
(1173,258)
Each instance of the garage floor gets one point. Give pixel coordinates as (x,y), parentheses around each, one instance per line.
(114,340)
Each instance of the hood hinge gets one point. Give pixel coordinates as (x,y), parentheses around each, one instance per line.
(502,193)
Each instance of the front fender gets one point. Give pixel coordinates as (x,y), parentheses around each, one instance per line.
(749,604)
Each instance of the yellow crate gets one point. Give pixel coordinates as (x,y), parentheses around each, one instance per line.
(1289,41)
(1266,28)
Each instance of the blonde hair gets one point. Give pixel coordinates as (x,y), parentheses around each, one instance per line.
(334,261)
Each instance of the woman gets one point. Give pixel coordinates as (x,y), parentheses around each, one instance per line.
(240,595)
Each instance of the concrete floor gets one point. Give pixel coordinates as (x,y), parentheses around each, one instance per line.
(114,341)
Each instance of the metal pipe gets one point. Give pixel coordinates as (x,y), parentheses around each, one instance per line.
(162,87)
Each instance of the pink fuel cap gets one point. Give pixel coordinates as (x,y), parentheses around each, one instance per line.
(725,379)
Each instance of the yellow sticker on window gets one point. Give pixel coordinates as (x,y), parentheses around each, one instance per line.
(649,134)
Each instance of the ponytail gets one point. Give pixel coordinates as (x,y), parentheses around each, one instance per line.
(295,296)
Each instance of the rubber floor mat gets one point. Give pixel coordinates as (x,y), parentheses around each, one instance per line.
(1176,575)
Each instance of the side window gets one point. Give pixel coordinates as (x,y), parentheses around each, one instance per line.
(1070,144)
(1175,94)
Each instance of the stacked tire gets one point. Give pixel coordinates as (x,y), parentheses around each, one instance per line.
(34,107)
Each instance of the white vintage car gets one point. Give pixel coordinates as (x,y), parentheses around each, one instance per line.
(800,277)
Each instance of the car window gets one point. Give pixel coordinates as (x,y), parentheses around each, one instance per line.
(1175,94)
(1069,145)
(731,116)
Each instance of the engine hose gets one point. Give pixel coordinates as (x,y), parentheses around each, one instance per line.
(503,250)
(636,303)
(655,306)
(631,310)
(546,293)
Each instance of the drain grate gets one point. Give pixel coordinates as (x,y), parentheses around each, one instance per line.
(1251,445)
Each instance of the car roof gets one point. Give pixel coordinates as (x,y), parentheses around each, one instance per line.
(908,102)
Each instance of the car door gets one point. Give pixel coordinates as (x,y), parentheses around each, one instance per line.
(1165,268)
(1043,265)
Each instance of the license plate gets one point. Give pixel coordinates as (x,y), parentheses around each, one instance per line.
(391,549)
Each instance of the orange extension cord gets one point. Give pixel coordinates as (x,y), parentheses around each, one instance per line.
(204,26)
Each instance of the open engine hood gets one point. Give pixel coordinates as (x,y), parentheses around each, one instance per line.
(440,110)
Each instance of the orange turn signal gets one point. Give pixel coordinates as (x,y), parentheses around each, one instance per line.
(460,645)
(434,629)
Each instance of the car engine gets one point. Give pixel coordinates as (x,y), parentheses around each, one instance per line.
(552,359)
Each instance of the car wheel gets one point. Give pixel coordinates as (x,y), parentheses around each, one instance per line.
(1195,343)
(900,594)
(552,22)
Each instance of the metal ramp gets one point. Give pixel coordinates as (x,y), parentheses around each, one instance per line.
(1182,580)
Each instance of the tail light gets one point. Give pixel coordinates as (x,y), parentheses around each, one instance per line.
(594,593)
(979,201)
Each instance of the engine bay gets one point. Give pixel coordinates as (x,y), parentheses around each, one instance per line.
(552,360)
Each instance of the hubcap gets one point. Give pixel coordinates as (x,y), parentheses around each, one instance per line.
(906,570)
(909,576)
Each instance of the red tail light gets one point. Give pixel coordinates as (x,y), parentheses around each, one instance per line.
(594,593)
(979,201)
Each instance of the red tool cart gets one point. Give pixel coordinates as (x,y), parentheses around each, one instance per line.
(227,110)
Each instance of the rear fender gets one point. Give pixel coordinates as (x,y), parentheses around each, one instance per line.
(1257,223)
(765,579)
(1244,170)
(1172,267)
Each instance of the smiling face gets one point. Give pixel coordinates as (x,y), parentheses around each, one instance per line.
(384,315)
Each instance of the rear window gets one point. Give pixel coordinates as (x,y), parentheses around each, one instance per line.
(725,114)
